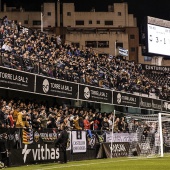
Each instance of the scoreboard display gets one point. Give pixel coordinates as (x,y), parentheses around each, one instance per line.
(156,39)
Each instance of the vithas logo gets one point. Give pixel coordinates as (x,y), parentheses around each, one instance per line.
(25,151)
(41,153)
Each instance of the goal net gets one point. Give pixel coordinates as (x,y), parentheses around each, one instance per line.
(153,134)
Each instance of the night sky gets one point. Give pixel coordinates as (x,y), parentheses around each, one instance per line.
(137,7)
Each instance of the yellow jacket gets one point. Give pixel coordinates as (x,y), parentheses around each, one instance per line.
(20,123)
(76,124)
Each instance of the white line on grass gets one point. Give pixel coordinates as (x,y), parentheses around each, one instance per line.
(87,164)
(69,166)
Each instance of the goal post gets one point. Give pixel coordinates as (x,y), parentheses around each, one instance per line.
(160,132)
(153,134)
(164,131)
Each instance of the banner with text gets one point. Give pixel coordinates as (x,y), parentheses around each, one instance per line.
(120,149)
(45,136)
(155,68)
(35,153)
(79,144)
(121,137)
(55,87)
(125,99)
(148,103)
(95,94)
(15,79)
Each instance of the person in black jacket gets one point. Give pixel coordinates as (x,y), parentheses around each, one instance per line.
(3,149)
(61,142)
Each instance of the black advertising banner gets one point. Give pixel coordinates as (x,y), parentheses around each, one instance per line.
(54,87)
(90,93)
(149,103)
(119,149)
(125,99)
(166,106)
(35,153)
(91,141)
(100,136)
(45,136)
(16,79)
(155,68)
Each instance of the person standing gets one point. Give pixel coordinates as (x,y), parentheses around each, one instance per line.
(4,150)
(61,142)
(22,119)
(87,125)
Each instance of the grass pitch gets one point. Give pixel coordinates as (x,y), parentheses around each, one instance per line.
(105,164)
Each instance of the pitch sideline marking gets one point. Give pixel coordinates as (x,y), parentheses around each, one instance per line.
(69,166)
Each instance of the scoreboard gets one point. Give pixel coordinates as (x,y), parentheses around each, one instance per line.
(157,37)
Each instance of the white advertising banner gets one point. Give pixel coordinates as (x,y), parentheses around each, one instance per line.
(79,144)
(121,137)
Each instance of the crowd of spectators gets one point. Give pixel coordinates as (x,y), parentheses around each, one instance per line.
(39,53)
(16,113)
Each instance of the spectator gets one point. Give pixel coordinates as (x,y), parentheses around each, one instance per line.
(76,123)
(116,123)
(121,125)
(15,114)
(87,125)
(81,123)
(100,119)
(35,120)
(43,119)
(2,113)
(5,20)
(22,120)
(110,121)
(10,119)
(105,124)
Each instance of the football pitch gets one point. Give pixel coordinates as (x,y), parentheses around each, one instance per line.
(105,164)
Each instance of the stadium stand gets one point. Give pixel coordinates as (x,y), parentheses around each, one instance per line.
(39,53)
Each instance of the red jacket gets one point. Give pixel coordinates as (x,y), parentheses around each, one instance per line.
(86,124)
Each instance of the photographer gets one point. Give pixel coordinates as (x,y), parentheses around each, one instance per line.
(4,150)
